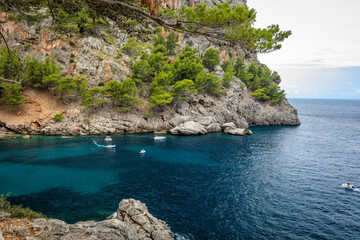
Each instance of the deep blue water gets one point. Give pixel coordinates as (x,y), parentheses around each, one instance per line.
(280,183)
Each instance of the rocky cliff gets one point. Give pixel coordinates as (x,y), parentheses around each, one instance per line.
(99,59)
(132,221)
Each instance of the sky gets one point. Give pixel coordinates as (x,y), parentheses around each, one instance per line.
(321,59)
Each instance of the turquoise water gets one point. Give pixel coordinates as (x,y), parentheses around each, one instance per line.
(280,183)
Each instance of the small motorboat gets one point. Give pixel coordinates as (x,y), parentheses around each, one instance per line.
(108,138)
(159,138)
(142,151)
(348,186)
(109,146)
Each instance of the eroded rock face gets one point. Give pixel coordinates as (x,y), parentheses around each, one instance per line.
(132,222)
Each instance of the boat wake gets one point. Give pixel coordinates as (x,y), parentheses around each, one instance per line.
(105,146)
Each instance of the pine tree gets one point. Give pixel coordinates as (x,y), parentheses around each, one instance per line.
(211,58)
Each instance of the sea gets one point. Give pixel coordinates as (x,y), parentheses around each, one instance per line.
(283,182)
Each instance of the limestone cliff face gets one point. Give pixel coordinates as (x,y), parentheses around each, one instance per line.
(99,59)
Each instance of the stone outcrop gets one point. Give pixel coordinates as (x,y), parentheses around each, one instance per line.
(136,214)
(189,128)
(132,222)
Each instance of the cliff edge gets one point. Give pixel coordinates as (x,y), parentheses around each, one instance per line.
(132,221)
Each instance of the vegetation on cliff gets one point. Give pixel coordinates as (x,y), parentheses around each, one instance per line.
(18,210)
(161,77)
(168,82)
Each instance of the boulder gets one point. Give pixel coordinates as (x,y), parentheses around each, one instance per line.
(189,128)
(26,137)
(136,214)
(214,127)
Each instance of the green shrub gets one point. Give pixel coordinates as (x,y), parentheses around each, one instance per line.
(171,42)
(71,60)
(183,89)
(58,117)
(132,48)
(123,94)
(11,95)
(18,211)
(142,71)
(36,71)
(211,58)
(101,84)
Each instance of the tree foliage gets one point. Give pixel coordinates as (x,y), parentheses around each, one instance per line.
(11,95)
(132,48)
(220,23)
(211,58)
(183,89)
(122,94)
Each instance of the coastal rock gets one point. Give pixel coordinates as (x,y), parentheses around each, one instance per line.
(205,121)
(137,216)
(58,227)
(177,120)
(214,127)
(132,221)
(18,231)
(228,126)
(189,128)
(4,215)
(238,131)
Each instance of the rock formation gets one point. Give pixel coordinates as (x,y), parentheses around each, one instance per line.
(133,222)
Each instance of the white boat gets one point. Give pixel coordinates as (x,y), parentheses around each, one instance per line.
(108,138)
(348,186)
(110,146)
(142,151)
(159,138)
(105,146)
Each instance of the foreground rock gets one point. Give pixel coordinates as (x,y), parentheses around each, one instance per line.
(136,214)
(132,222)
